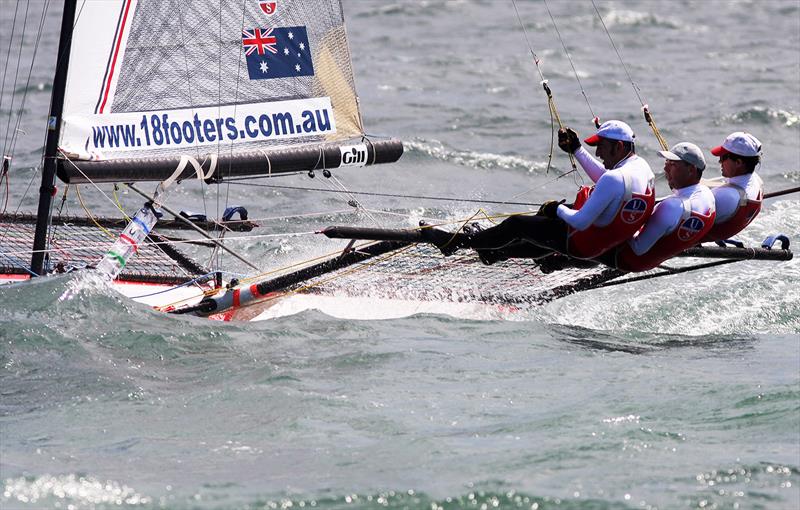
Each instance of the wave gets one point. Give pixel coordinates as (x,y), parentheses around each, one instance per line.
(748,296)
(76,491)
(628,18)
(80,492)
(721,487)
(480,160)
(766,116)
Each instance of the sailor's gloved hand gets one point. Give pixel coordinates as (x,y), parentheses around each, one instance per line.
(549,209)
(568,140)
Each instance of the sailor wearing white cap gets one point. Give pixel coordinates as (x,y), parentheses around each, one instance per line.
(739,198)
(601,217)
(622,198)
(678,222)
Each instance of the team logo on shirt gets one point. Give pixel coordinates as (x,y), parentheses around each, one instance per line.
(690,228)
(633,210)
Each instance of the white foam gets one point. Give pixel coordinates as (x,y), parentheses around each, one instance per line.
(78,491)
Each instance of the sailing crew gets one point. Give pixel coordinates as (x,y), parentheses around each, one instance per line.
(678,222)
(738,200)
(601,217)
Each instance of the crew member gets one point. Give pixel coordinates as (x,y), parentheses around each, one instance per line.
(738,201)
(678,222)
(601,218)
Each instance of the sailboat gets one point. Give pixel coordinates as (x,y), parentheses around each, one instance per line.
(139,96)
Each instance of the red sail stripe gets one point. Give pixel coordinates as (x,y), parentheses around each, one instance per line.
(114,60)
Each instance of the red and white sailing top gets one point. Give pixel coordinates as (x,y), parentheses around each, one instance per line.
(678,223)
(738,202)
(611,211)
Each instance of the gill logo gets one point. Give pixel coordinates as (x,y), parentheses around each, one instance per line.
(354,155)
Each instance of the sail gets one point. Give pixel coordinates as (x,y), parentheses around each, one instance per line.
(250,86)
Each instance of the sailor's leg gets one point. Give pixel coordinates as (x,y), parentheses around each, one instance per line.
(447,242)
(510,230)
(549,234)
(608,258)
(523,250)
(514,250)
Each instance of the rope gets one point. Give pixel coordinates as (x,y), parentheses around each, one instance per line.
(39,33)
(91,216)
(16,72)
(645,109)
(595,118)
(550,101)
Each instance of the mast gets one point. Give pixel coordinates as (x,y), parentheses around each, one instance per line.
(47,189)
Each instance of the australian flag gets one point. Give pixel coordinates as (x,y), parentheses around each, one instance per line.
(277,52)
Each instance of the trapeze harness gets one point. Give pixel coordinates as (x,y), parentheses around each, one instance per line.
(691,229)
(745,213)
(634,210)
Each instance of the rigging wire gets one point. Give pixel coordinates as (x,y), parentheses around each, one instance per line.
(16,72)
(391,195)
(39,33)
(235,103)
(595,118)
(8,61)
(648,117)
(550,101)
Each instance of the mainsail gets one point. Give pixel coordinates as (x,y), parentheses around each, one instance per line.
(240,91)
(151,90)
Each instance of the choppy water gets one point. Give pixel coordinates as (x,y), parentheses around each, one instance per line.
(684,393)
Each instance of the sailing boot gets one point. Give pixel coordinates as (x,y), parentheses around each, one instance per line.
(558,261)
(489,257)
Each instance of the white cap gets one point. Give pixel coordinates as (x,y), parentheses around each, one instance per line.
(739,143)
(614,130)
(688,152)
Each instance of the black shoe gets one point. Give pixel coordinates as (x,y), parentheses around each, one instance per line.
(471,230)
(553,262)
(489,257)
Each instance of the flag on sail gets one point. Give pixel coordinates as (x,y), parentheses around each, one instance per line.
(281,52)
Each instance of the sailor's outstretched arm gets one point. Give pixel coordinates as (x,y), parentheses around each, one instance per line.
(591,165)
(609,189)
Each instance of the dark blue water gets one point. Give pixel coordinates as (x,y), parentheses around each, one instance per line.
(682,392)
